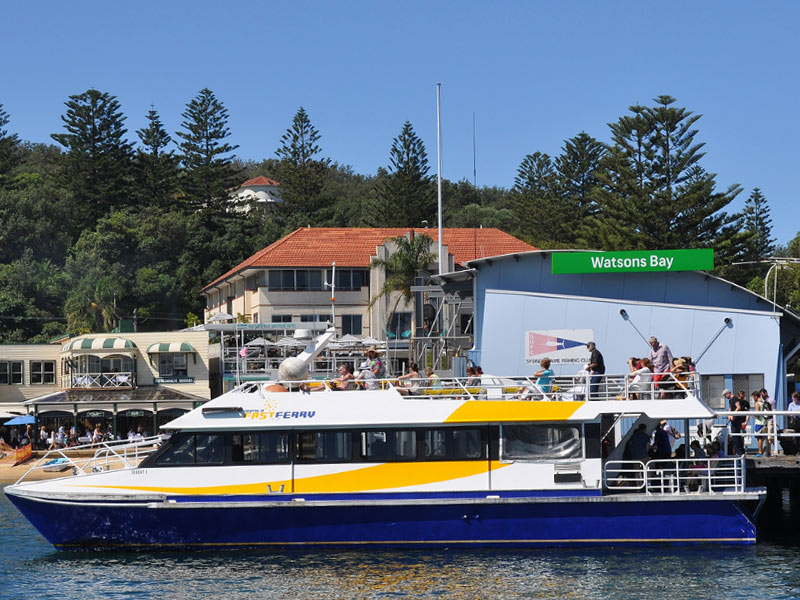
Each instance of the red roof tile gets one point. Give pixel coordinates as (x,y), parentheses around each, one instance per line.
(260,180)
(354,247)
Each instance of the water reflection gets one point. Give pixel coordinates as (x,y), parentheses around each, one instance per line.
(31,568)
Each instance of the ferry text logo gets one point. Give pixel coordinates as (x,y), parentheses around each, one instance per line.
(278,414)
(270,412)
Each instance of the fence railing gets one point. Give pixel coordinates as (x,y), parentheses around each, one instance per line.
(99,380)
(676,475)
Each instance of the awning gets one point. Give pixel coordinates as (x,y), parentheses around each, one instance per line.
(164,347)
(99,343)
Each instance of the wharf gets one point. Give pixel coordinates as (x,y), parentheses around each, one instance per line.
(777,474)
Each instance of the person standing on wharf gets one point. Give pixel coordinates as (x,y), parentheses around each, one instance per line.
(596,367)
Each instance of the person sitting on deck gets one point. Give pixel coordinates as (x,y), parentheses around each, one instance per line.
(366,378)
(409,383)
(434,382)
(345,379)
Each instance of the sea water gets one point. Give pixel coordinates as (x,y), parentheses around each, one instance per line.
(31,568)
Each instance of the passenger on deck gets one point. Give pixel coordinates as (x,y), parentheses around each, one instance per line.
(375,363)
(409,383)
(345,379)
(366,378)
(661,357)
(662,448)
(697,450)
(738,425)
(434,382)
(762,424)
(674,382)
(597,367)
(544,376)
(640,443)
(471,376)
(641,386)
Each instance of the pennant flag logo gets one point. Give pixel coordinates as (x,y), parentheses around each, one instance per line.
(559,345)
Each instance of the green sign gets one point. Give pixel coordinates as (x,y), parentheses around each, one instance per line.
(635,261)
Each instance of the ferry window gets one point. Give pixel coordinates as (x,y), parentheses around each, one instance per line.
(453,444)
(324,446)
(269,447)
(198,449)
(541,441)
(43,372)
(209,449)
(181,452)
(11,372)
(389,445)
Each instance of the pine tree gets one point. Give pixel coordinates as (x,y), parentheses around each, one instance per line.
(535,204)
(97,162)
(206,155)
(9,148)
(157,168)
(577,179)
(653,192)
(302,176)
(404,193)
(757,225)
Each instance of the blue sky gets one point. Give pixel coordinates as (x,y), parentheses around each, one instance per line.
(533,73)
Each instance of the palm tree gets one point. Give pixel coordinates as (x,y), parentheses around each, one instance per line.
(412,254)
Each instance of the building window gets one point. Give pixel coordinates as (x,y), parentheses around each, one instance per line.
(295,280)
(351,324)
(349,279)
(172,365)
(281,318)
(314,318)
(11,372)
(43,372)
(400,326)
(255,318)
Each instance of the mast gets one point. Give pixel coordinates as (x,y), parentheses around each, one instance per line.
(439,170)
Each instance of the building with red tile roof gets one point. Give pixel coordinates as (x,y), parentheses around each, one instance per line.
(286,281)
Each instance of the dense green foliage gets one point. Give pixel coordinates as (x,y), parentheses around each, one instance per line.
(101,228)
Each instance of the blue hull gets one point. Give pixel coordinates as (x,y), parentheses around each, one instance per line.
(525,522)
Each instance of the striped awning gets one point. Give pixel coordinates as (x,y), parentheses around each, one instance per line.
(99,343)
(164,347)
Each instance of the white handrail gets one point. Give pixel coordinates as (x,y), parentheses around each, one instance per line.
(676,475)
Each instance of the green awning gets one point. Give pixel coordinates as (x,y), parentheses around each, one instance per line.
(164,347)
(99,343)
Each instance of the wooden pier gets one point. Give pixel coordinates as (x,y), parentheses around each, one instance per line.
(777,474)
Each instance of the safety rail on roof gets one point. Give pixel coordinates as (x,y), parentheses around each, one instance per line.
(489,387)
(676,475)
(106,456)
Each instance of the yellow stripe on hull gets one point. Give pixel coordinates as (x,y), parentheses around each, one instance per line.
(506,411)
(372,478)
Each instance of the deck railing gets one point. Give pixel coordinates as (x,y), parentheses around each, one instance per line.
(103,456)
(488,387)
(676,475)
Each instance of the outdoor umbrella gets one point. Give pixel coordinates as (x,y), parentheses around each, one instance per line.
(23,420)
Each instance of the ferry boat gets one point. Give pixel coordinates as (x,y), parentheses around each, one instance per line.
(493,462)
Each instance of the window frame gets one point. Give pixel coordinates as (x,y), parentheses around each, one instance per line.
(41,372)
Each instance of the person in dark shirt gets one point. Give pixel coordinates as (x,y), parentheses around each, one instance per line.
(596,367)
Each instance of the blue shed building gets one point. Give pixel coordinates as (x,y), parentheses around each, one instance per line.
(523,311)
